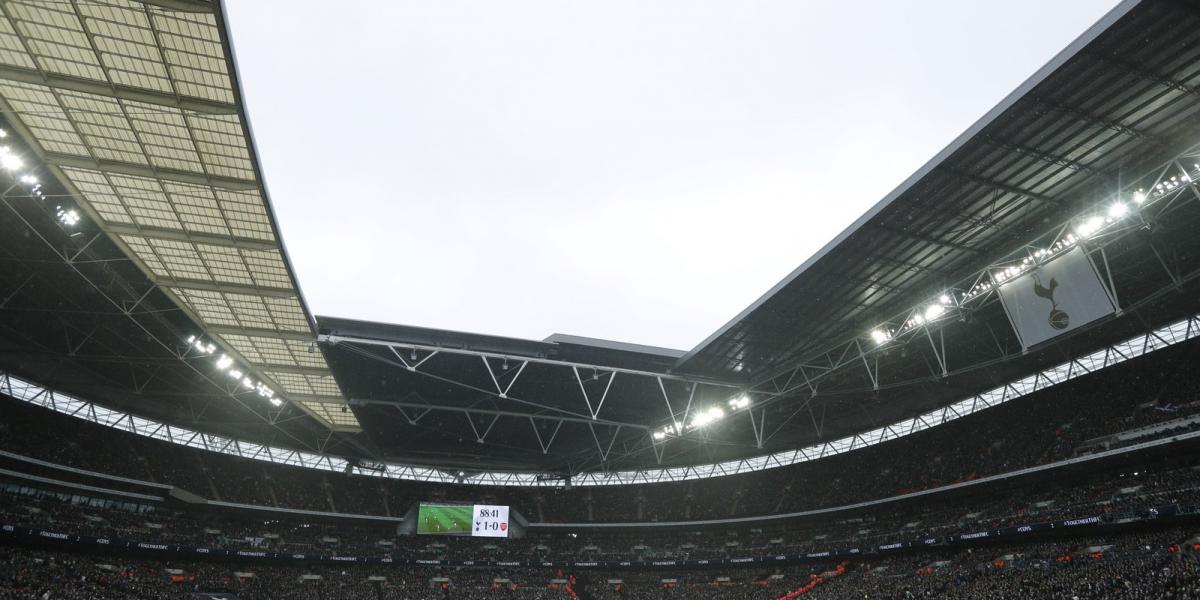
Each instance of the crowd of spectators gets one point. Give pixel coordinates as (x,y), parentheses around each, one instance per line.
(1111,494)
(1161,564)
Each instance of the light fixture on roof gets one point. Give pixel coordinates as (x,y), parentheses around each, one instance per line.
(1089,227)
(660,435)
(741,401)
(704,418)
(880,336)
(29,179)
(10,161)
(944,299)
(224,362)
(1139,197)
(3,134)
(934,311)
(1118,210)
(276,402)
(67,216)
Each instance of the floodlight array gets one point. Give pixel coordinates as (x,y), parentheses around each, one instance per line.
(704,418)
(227,365)
(1102,219)
(14,163)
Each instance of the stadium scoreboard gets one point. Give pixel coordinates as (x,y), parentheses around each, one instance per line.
(476,520)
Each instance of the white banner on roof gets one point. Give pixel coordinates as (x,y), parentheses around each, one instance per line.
(1056,297)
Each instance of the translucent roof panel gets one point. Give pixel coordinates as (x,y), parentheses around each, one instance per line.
(132,106)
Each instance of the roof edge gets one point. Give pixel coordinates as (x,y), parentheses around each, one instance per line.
(1007,102)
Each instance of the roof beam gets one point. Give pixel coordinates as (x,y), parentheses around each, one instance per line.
(215,286)
(193,6)
(1048,157)
(1144,73)
(1004,187)
(115,90)
(223,330)
(924,238)
(1106,123)
(493,412)
(136,170)
(291,369)
(177,235)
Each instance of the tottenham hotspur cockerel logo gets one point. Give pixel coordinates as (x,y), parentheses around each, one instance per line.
(1058,318)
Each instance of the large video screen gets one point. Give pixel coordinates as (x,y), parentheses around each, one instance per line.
(462,519)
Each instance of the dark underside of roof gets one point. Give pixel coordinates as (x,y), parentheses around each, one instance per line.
(77,316)
(1108,110)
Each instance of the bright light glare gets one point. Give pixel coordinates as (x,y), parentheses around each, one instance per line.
(881,337)
(224,362)
(658,435)
(1118,210)
(10,161)
(934,311)
(740,402)
(68,217)
(1090,226)
(29,180)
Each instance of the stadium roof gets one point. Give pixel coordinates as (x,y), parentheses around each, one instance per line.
(134,108)
(1115,102)
(134,111)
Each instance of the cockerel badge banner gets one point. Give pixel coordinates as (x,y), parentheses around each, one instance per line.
(1056,297)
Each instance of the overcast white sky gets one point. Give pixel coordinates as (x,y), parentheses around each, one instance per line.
(625,169)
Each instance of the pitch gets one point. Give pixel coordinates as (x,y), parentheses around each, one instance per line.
(444,518)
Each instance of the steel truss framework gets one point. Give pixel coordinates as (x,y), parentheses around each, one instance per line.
(1163,190)
(414,358)
(1167,188)
(1134,347)
(128,301)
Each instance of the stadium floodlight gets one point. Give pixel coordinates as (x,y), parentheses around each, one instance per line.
(944,299)
(249,383)
(1118,210)
(880,336)
(276,402)
(224,362)
(1089,226)
(201,346)
(739,402)
(29,179)
(1139,197)
(3,134)
(235,374)
(67,216)
(933,311)
(660,435)
(11,161)
(704,418)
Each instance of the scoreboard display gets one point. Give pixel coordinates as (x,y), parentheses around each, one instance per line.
(479,520)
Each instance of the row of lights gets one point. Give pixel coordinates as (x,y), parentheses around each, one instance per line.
(703,418)
(1085,229)
(12,162)
(933,311)
(227,365)
(69,217)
